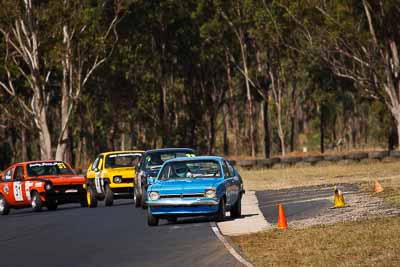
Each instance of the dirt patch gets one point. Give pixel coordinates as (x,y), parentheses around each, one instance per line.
(312,205)
(359,206)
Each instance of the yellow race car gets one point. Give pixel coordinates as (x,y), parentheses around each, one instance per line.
(111,176)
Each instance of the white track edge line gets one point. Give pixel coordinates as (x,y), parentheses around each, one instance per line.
(228,246)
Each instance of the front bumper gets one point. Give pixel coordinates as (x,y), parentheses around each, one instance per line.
(180,202)
(122,192)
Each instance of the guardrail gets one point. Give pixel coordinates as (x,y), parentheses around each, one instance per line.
(312,160)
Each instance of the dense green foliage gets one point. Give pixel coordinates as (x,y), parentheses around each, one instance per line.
(240,77)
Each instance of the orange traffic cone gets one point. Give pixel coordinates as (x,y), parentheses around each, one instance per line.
(378,187)
(282,224)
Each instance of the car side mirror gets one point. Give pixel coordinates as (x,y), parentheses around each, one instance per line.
(151,180)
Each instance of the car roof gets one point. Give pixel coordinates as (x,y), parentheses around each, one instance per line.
(122,151)
(38,161)
(169,149)
(196,158)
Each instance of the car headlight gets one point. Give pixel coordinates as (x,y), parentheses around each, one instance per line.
(210,193)
(48,186)
(154,195)
(117,179)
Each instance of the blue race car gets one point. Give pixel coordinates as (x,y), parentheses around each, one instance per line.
(149,166)
(195,186)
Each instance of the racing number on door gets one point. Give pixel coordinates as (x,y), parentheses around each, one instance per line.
(97,182)
(18,191)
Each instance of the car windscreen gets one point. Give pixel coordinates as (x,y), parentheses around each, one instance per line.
(156,160)
(48,168)
(191,169)
(122,160)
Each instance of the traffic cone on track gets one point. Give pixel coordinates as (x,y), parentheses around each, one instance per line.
(282,224)
(338,199)
(378,187)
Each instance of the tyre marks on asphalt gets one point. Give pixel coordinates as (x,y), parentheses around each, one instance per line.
(301,202)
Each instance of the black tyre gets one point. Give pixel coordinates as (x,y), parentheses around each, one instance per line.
(52,205)
(109,198)
(151,219)
(4,207)
(172,219)
(83,201)
(236,210)
(136,198)
(36,202)
(91,198)
(143,198)
(220,216)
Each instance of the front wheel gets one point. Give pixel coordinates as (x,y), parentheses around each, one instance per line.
(36,202)
(91,198)
(143,198)
(136,198)
(4,207)
(220,216)
(236,210)
(151,219)
(109,199)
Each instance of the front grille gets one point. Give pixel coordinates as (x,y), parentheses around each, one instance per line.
(62,188)
(66,189)
(182,195)
(127,180)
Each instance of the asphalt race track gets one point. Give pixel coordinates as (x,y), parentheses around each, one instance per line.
(106,236)
(299,202)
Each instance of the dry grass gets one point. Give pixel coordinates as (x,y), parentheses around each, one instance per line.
(372,242)
(391,191)
(367,243)
(295,176)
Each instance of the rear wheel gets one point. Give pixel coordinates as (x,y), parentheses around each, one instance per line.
(109,199)
(151,219)
(236,210)
(4,207)
(36,202)
(220,216)
(91,198)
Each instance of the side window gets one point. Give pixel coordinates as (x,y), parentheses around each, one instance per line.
(95,163)
(8,175)
(231,169)
(19,173)
(227,173)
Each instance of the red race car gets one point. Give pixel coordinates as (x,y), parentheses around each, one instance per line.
(40,183)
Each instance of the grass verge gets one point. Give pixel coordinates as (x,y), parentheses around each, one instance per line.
(373,242)
(295,176)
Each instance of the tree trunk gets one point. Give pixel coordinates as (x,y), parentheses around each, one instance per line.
(265,122)
(24,151)
(243,47)
(226,129)
(322,129)
(44,135)
(233,114)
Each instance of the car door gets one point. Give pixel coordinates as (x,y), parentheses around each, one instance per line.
(228,184)
(18,186)
(235,183)
(99,179)
(7,185)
